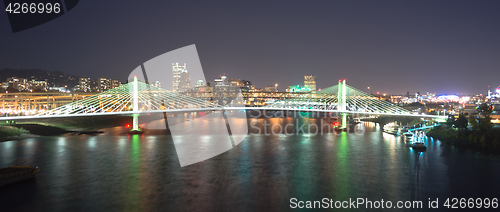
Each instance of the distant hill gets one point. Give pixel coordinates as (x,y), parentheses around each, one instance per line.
(55,78)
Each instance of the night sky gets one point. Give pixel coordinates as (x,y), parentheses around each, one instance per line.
(392,46)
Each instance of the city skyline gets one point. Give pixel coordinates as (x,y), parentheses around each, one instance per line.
(116,82)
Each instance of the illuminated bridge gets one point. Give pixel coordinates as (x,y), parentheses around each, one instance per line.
(137,97)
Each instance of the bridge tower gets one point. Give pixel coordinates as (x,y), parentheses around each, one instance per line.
(342,102)
(135,116)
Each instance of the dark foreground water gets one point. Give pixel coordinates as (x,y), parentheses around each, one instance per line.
(116,172)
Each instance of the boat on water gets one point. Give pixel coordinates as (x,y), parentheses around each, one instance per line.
(408,135)
(392,129)
(419,146)
(14,174)
(418,141)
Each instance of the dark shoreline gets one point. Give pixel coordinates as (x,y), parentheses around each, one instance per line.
(465,145)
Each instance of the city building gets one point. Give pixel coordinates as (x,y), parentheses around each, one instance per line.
(201,86)
(40,85)
(200,83)
(115,83)
(103,84)
(18,83)
(494,97)
(221,81)
(236,82)
(298,89)
(226,84)
(185,81)
(4,85)
(85,84)
(58,89)
(176,75)
(156,84)
(310,82)
(270,89)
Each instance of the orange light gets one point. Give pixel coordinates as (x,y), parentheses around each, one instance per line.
(335,124)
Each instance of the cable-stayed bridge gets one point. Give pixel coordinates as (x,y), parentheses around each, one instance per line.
(138,97)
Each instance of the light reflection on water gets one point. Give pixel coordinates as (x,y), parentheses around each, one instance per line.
(142,172)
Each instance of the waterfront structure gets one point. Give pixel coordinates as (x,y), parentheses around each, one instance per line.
(310,82)
(176,75)
(30,103)
(340,98)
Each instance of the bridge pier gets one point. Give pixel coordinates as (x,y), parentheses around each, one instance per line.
(135,117)
(342,103)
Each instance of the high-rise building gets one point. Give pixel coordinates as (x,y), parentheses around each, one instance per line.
(104,84)
(185,81)
(85,84)
(310,82)
(176,78)
(115,83)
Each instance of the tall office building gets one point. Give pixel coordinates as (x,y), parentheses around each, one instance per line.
(176,78)
(310,82)
(185,81)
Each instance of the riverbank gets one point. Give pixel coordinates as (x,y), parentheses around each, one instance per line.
(43,130)
(383,120)
(84,123)
(11,132)
(488,142)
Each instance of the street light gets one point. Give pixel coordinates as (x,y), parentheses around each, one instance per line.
(369,90)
